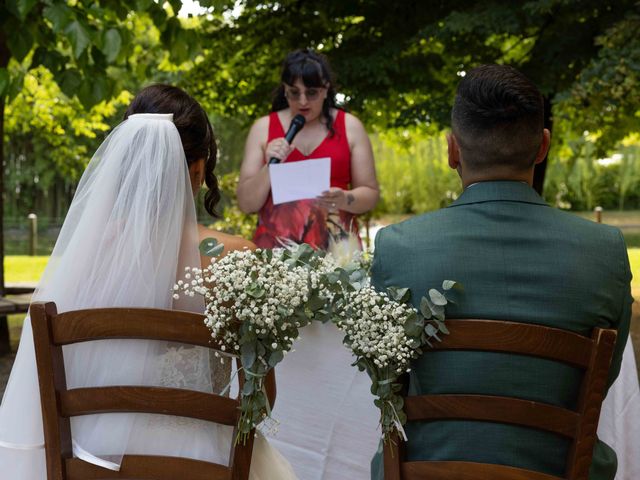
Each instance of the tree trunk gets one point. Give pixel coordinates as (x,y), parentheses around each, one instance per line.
(541,168)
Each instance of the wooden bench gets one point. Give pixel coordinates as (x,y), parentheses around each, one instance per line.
(17,300)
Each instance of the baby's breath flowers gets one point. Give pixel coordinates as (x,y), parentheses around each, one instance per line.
(257,301)
(385,333)
(255,304)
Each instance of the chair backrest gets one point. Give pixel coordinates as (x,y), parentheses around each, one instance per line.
(593,355)
(52,331)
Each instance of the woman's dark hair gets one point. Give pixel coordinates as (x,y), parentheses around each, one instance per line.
(314,70)
(198,140)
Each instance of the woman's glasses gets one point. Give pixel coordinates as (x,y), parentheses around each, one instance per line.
(294,94)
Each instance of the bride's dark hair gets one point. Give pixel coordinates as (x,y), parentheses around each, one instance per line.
(193,126)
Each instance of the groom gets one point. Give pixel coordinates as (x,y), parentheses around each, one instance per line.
(518,260)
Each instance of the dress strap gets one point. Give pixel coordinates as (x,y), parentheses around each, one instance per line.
(276,130)
(339,125)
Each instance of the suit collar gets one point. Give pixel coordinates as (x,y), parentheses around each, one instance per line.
(498,191)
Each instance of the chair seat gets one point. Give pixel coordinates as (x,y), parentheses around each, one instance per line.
(149,467)
(469,471)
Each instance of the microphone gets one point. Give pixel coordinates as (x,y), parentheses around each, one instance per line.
(296,125)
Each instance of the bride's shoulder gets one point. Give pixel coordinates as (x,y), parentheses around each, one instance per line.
(230,242)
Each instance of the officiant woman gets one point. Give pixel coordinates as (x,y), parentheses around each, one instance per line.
(307,88)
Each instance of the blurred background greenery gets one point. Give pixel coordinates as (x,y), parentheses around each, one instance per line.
(68,68)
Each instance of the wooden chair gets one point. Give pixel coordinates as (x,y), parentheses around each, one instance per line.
(52,330)
(593,355)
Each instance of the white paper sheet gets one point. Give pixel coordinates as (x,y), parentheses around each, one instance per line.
(299,180)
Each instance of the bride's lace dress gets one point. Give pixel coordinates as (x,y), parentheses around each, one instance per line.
(129,233)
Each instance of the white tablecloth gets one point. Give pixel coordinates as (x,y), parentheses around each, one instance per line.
(328,422)
(619,425)
(329,426)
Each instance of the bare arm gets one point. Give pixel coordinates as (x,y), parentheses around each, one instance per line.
(364,193)
(254,185)
(230,242)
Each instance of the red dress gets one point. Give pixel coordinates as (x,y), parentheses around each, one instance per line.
(303,221)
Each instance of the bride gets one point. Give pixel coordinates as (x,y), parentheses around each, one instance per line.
(130,231)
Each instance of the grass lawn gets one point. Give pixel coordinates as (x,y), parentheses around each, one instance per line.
(634,259)
(24,269)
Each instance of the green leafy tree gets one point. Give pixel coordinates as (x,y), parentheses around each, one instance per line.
(85,46)
(399,62)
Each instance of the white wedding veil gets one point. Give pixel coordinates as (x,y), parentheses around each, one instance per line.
(130,231)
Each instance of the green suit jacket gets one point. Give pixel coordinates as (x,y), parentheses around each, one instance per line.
(518,259)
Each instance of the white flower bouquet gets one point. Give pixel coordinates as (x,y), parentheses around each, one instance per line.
(256,302)
(384,332)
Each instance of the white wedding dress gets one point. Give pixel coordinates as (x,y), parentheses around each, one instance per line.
(130,231)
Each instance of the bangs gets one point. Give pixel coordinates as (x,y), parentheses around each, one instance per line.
(307,70)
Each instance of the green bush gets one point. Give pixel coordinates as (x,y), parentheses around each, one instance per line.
(233,220)
(413,173)
(578,180)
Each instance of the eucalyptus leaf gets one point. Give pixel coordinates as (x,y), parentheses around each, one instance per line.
(437,298)
(275,358)
(425,307)
(398,294)
(413,326)
(430,330)
(247,388)
(442,327)
(448,284)
(315,302)
(210,247)
(248,354)
(255,290)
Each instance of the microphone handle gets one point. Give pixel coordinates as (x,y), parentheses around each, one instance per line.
(293,131)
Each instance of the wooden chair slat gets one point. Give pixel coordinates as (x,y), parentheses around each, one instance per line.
(521,338)
(493,409)
(591,354)
(592,394)
(149,467)
(52,331)
(468,471)
(160,400)
(141,323)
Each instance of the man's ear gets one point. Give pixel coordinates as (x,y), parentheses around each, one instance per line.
(544,146)
(453,151)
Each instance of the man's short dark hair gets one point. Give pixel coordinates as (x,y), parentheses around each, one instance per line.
(497,118)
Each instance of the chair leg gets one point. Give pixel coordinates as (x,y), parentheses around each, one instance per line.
(393,450)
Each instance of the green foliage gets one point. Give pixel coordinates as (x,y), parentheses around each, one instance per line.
(398,63)
(580,180)
(86,44)
(413,173)
(233,220)
(49,137)
(605,99)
